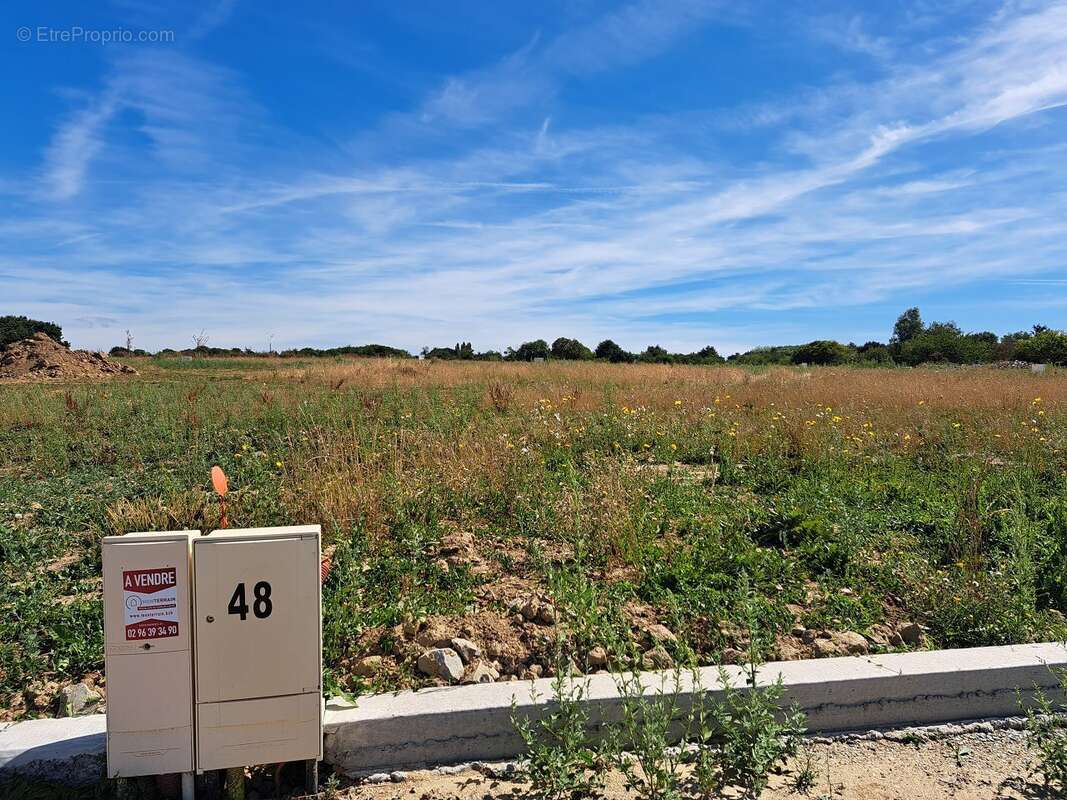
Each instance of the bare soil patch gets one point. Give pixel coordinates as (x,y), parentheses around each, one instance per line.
(971,766)
(42,358)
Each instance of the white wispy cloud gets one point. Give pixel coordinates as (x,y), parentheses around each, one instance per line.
(541,229)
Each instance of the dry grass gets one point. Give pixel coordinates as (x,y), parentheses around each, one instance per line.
(628,494)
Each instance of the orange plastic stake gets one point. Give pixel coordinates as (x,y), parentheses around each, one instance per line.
(222,485)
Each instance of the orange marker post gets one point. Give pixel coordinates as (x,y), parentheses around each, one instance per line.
(222,485)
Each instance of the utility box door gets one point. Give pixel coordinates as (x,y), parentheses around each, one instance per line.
(147,597)
(257,613)
(148,653)
(274,729)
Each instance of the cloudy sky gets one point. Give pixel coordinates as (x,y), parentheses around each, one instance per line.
(416,173)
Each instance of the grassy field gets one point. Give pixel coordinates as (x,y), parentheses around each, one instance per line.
(616,498)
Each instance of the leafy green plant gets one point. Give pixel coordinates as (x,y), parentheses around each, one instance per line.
(562,761)
(742,735)
(641,743)
(805,776)
(1046,735)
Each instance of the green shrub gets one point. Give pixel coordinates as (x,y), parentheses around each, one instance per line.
(562,761)
(1046,734)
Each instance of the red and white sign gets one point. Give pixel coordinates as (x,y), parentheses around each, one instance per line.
(150,600)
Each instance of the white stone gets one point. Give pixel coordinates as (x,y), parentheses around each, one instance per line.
(441,662)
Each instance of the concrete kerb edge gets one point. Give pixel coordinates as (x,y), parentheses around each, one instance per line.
(430,727)
(411,730)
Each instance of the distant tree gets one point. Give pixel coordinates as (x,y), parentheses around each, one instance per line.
(944,342)
(780,354)
(874,353)
(705,355)
(440,353)
(944,327)
(822,351)
(654,354)
(609,351)
(1045,347)
(570,349)
(907,327)
(14,329)
(364,350)
(528,351)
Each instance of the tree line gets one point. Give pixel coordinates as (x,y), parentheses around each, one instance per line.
(912,342)
(564,349)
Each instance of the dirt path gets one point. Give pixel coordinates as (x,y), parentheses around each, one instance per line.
(966,767)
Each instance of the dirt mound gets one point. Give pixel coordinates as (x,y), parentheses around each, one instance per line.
(42,358)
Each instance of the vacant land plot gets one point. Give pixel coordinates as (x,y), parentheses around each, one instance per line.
(629,511)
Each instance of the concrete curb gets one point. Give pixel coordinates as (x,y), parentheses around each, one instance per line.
(409,730)
(69,751)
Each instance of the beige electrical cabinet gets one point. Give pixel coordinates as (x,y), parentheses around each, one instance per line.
(257,606)
(148,653)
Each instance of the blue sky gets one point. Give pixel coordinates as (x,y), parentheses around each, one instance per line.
(680,173)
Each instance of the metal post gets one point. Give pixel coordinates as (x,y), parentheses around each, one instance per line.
(311,776)
(188,786)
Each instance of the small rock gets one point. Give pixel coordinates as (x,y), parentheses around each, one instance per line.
(910,633)
(501,769)
(481,673)
(660,633)
(854,643)
(441,662)
(369,666)
(547,614)
(798,631)
(398,776)
(826,648)
(78,699)
(788,649)
(597,657)
(455,769)
(657,658)
(378,777)
(467,649)
(878,635)
(530,609)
